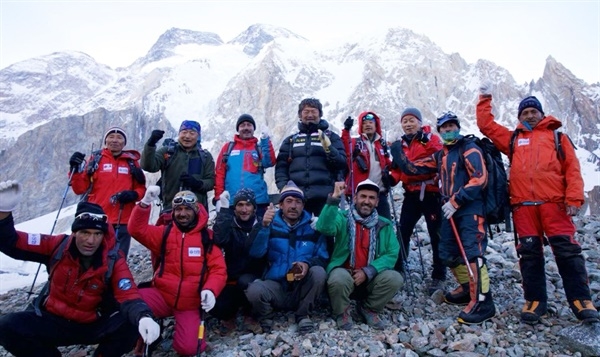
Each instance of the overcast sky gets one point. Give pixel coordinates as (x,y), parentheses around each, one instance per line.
(517,35)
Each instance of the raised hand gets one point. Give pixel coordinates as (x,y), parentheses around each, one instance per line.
(269,215)
(151,195)
(155,137)
(348,123)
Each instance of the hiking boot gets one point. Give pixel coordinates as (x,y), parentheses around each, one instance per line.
(250,324)
(266,325)
(227,326)
(533,311)
(435,285)
(584,310)
(372,318)
(344,320)
(479,312)
(305,324)
(458,296)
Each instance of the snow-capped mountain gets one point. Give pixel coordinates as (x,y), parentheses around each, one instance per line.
(54,105)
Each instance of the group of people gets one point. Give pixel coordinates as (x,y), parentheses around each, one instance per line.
(332,234)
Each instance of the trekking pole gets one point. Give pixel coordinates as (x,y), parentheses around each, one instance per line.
(200,333)
(403,253)
(53,226)
(462,249)
(416,234)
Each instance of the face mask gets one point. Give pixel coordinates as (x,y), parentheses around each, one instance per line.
(450,136)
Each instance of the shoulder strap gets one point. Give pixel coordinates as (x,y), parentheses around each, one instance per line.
(163,248)
(57,255)
(228,152)
(94,160)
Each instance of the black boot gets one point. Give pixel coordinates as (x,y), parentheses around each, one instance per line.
(481,311)
(458,296)
(481,307)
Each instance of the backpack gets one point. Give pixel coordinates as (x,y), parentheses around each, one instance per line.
(225,158)
(560,153)
(57,255)
(207,243)
(495,193)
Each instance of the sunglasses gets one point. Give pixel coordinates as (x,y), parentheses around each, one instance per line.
(184,199)
(448,115)
(368,117)
(92,216)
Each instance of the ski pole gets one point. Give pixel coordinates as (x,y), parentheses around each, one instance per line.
(462,249)
(403,253)
(53,226)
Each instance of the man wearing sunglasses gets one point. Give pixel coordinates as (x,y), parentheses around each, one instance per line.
(191,272)
(82,306)
(368,154)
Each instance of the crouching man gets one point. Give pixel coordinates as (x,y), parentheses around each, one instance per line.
(364,254)
(82,306)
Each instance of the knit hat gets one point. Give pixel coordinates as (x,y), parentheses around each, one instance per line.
(367,185)
(89,216)
(185,198)
(412,111)
(530,102)
(290,189)
(243,118)
(190,125)
(245,194)
(115,130)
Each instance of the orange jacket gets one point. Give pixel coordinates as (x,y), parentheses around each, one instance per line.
(111,177)
(536,173)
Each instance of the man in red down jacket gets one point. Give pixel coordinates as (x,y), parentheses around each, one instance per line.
(82,305)
(421,192)
(370,158)
(114,181)
(191,272)
(545,191)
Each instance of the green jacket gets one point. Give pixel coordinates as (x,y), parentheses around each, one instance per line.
(333,222)
(197,162)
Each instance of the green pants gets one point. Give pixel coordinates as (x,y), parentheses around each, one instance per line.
(374,294)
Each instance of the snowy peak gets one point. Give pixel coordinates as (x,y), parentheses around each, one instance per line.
(174,37)
(259,35)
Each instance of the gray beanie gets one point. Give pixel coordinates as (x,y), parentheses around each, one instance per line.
(412,111)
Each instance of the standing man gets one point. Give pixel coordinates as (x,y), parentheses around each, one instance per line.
(242,162)
(82,305)
(546,189)
(113,179)
(232,230)
(314,158)
(365,251)
(421,192)
(296,255)
(368,154)
(191,272)
(184,165)
(461,169)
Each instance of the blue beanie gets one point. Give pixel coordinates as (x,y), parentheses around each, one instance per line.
(190,125)
(530,102)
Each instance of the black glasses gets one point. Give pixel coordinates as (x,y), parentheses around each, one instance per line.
(184,199)
(369,117)
(92,216)
(448,115)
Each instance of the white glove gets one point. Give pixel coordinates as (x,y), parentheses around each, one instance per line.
(324,140)
(149,330)
(223,200)
(485,88)
(265,132)
(313,222)
(10,195)
(448,209)
(151,195)
(208,300)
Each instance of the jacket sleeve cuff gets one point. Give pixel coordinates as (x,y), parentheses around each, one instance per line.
(370,271)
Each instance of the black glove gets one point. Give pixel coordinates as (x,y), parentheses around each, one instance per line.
(386,179)
(76,160)
(155,137)
(190,182)
(124,197)
(348,123)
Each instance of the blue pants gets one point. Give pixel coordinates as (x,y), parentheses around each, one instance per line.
(471,229)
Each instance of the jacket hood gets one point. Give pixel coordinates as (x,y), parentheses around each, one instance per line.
(377,122)
(252,141)
(126,154)
(322,124)
(548,122)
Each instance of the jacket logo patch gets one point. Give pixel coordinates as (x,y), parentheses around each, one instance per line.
(194,252)
(106,167)
(124,284)
(234,152)
(123,170)
(523,141)
(34,239)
